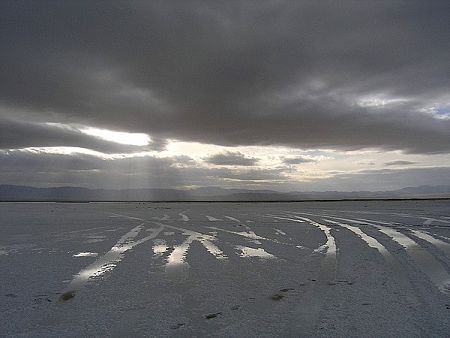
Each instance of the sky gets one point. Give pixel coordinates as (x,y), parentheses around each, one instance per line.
(281,95)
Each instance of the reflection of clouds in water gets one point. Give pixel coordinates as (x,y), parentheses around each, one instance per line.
(108,261)
(178,255)
(329,248)
(86,254)
(432,267)
(159,247)
(372,242)
(252,252)
(443,246)
(280,232)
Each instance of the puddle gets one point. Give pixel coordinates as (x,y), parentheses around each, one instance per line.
(233,219)
(166,217)
(254,238)
(86,254)
(213,249)
(178,255)
(329,248)
(249,234)
(280,232)
(283,218)
(443,246)
(108,261)
(429,220)
(159,247)
(183,216)
(370,241)
(252,252)
(426,262)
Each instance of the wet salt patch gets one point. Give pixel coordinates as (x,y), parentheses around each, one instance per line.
(329,247)
(15,248)
(86,254)
(253,237)
(425,261)
(95,238)
(249,234)
(280,232)
(160,247)
(443,246)
(252,252)
(166,217)
(443,237)
(233,219)
(370,241)
(428,221)
(108,261)
(240,223)
(435,271)
(213,219)
(183,216)
(276,218)
(213,249)
(178,255)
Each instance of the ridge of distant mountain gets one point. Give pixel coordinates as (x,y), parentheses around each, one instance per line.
(68,193)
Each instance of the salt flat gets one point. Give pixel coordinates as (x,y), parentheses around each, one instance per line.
(378,268)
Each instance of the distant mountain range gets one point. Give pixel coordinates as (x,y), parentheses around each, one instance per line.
(26,193)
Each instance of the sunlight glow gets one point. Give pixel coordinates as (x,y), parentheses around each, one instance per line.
(379,101)
(134,139)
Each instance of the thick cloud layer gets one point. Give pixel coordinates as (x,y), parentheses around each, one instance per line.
(333,74)
(399,162)
(230,158)
(39,169)
(17,134)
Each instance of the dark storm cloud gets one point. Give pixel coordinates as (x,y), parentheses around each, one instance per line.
(399,162)
(231,158)
(233,73)
(15,134)
(298,160)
